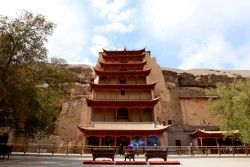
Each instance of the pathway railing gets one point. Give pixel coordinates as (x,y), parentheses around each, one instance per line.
(172,150)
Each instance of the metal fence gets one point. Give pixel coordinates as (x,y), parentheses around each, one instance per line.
(172,150)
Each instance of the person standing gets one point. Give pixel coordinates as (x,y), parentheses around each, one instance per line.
(121,149)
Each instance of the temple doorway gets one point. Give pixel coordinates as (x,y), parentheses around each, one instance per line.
(93,140)
(123,140)
(107,141)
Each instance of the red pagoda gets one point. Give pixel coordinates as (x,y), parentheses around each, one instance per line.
(123,102)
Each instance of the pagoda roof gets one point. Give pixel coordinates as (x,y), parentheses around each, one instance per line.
(112,57)
(123,86)
(212,134)
(123,126)
(123,65)
(124,52)
(122,103)
(123,73)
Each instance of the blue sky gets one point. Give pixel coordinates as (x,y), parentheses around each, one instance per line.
(183,34)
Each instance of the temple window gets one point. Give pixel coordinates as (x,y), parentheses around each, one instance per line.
(122,92)
(122,81)
(122,113)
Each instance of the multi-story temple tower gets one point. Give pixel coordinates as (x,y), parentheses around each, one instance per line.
(123,102)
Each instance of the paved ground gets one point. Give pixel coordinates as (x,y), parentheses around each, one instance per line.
(76,161)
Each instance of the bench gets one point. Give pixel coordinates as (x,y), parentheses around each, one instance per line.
(103,153)
(5,150)
(130,154)
(156,154)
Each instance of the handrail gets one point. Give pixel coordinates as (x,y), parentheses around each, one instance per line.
(86,149)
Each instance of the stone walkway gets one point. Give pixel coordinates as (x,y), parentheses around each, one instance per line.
(77,161)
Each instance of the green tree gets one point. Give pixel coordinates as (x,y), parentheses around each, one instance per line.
(31,85)
(233,107)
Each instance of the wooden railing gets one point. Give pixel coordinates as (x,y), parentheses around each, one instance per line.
(172,150)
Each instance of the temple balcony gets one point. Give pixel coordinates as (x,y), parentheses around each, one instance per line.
(122,103)
(122,66)
(122,86)
(123,73)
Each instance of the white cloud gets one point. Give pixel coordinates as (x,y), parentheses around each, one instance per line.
(167,18)
(99,42)
(113,11)
(67,41)
(214,52)
(116,15)
(193,18)
(118,27)
(205,31)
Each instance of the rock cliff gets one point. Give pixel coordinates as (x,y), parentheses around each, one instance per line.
(178,83)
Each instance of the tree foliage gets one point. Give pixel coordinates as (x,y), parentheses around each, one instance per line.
(31,85)
(233,107)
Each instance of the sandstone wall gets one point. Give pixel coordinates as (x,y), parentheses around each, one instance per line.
(184,101)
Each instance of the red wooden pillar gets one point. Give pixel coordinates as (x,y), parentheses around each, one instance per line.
(128,93)
(100,140)
(201,141)
(161,141)
(152,113)
(197,139)
(115,144)
(129,114)
(115,114)
(130,138)
(217,143)
(140,114)
(116,93)
(232,139)
(218,146)
(104,114)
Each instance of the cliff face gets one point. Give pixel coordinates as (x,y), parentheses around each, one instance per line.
(186,79)
(178,83)
(75,111)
